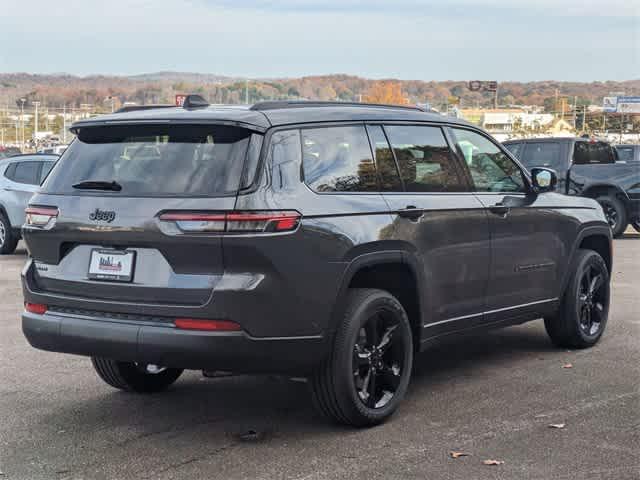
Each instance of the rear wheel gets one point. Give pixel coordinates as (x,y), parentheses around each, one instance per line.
(135,377)
(367,373)
(584,310)
(615,212)
(635,223)
(8,241)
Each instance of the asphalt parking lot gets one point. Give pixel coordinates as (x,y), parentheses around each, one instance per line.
(492,396)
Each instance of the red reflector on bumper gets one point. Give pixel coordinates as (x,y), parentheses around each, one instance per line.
(209,325)
(37,308)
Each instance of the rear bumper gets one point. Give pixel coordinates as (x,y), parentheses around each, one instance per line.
(170,347)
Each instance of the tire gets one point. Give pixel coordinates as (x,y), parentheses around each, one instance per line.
(8,241)
(132,377)
(615,212)
(373,340)
(635,223)
(582,316)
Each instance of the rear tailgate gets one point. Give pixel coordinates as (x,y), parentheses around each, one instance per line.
(107,242)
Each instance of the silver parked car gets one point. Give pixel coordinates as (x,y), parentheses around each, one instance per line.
(20,177)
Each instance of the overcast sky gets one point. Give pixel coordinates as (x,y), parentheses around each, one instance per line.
(583,40)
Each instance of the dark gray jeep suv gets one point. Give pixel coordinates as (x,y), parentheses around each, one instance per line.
(332,241)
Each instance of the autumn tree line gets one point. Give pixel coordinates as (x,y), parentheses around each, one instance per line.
(103,93)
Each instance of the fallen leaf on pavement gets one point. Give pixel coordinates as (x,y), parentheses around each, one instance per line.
(557,425)
(493,462)
(567,365)
(459,454)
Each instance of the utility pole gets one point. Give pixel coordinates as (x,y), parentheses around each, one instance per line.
(35,135)
(246,91)
(575,112)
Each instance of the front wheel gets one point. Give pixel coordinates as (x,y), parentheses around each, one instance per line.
(367,373)
(584,310)
(135,377)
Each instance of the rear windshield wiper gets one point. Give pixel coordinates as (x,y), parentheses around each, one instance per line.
(98,185)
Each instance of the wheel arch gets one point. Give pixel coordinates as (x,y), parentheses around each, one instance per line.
(597,189)
(395,271)
(597,238)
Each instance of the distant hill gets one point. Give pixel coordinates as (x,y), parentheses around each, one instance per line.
(99,91)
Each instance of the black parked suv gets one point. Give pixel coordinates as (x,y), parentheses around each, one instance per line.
(332,241)
(588,168)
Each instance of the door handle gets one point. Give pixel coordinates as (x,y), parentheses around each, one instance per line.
(500,209)
(410,212)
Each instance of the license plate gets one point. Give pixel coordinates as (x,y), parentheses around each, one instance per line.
(114,265)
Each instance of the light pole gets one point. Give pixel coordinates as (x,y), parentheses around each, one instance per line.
(35,134)
(22,100)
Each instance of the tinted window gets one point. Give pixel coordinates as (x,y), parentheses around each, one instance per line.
(424,158)
(592,152)
(10,171)
(46,168)
(491,170)
(158,160)
(515,148)
(27,172)
(542,154)
(338,159)
(625,154)
(284,160)
(385,163)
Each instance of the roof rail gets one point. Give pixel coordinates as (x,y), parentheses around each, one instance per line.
(279,104)
(135,108)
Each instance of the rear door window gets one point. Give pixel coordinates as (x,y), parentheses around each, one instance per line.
(385,162)
(592,152)
(155,160)
(424,158)
(338,159)
(27,173)
(542,154)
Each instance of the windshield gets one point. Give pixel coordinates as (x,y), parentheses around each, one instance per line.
(150,160)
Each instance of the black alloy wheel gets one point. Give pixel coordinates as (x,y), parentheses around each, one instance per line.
(378,360)
(592,300)
(366,375)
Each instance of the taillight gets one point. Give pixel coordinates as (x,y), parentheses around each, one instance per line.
(40,216)
(208,325)
(234,222)
(37,308)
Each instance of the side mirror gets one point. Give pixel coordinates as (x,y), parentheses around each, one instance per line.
(544,179)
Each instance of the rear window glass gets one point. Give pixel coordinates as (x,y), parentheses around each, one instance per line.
(150,160)
(592,152)
(541,154)
(338,159)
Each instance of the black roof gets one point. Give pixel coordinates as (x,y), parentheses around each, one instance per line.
(265,115)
